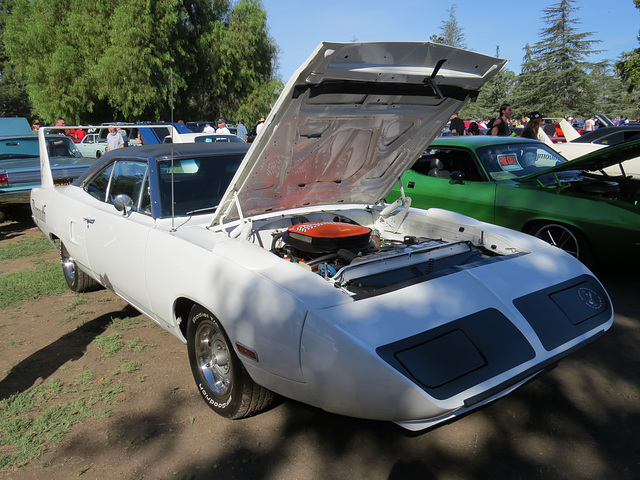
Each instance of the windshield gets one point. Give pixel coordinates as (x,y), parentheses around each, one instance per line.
(28,147)
(196,184)
(508,161)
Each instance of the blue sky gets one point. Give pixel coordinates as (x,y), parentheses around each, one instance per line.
(299,26)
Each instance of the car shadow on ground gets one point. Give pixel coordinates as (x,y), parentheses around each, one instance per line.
(39,366)
(15,215)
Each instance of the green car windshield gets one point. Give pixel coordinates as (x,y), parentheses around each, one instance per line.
(509,161)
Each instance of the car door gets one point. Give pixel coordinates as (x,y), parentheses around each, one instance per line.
(429,183)
(116,241)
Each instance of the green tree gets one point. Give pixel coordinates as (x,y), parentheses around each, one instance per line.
(136,60)
(628,68)
(13,96)
(494,93)
(555,73)
(450,33)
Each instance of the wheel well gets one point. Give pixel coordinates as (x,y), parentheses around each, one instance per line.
(533,224)
(56,242)
(181,308)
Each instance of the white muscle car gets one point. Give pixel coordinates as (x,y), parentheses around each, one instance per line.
(298,280)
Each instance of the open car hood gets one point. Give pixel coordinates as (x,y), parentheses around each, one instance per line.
(600,159)
(350,121)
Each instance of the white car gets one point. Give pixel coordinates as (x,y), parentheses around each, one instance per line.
(202,137)
(92,146)
(299,281)
(579,145)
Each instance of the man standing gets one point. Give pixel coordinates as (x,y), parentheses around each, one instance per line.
(208,129)
(590,124)
(222,127)
(114,139)
(457,124)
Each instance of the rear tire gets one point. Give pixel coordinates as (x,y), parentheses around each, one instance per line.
(220,376)
(77,280)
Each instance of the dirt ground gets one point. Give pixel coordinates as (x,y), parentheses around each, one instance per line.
(580,421)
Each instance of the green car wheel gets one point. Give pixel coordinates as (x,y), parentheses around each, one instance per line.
(565,237)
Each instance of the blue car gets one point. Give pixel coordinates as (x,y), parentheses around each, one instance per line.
(20,160)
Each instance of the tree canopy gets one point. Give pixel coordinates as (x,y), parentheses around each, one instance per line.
(136,60)
(628,67)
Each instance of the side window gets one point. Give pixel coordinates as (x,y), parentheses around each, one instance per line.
(613,139)
(99,184)
(128,178)
(448,160)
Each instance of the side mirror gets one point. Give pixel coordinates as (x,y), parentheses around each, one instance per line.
(457,177)
(123,203)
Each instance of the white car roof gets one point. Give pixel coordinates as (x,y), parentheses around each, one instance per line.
(350,121)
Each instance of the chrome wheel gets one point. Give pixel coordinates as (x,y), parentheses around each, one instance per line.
(69,268)
(560,236)
(77,280)
(221,377)
(213,357)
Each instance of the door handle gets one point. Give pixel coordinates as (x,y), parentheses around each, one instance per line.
(89,220)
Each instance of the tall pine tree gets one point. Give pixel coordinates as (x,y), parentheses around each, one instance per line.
(555,77)
(450,33)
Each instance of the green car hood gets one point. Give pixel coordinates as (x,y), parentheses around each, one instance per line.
(600,159)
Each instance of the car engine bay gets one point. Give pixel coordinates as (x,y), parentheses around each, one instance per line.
(358,260)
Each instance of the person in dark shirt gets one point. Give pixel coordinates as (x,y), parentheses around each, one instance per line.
(532,127)
(457,124)
(474,129)
(500,125)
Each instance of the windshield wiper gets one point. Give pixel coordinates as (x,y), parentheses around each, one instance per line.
(202,210)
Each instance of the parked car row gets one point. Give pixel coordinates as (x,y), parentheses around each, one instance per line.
(285,273)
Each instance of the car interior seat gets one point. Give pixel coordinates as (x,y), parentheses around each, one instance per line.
(437,169)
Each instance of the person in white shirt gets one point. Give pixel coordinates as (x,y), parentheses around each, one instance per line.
(222,128)
(114,140)
(259,126)
(208,129)
(590,124)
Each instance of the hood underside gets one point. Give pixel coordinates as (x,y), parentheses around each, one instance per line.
(350,121)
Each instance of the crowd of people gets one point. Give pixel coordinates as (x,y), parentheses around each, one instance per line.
(504,125)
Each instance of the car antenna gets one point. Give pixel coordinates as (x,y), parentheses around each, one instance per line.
(173,200)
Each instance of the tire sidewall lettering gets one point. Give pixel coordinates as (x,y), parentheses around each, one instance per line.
(211,401)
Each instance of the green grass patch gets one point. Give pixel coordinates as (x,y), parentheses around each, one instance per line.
(131,367)
(44,280)
(110,344)
(25,248)
(44,414)
(126,323)
(73,304)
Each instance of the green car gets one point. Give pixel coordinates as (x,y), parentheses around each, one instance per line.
(525,185)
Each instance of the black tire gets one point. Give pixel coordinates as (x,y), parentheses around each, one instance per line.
(98,154)
(568,238)
(220,376)
(77,280)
